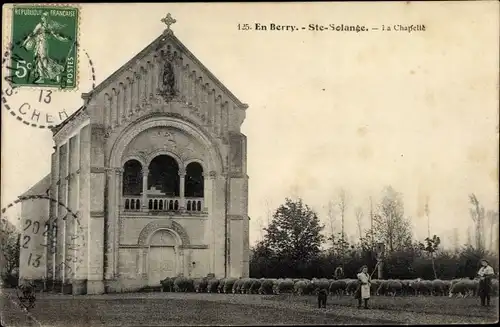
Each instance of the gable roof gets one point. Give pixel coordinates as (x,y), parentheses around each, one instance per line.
(167,35)
(41,187)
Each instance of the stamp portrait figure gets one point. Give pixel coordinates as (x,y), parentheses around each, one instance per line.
(44,66)
(44,46)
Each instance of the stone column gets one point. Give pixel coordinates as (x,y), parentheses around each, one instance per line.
(54,213)
(182,175)
(110,223)
(145,251)
(84,197)
(118,203)
(209,189)
(205,191)
(97,228)
(144,200)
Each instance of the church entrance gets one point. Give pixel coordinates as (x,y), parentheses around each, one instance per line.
(162,257)
(161,264)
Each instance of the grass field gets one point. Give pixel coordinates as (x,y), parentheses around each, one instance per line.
(175,309)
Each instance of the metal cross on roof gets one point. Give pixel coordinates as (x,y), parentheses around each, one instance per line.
(168,20)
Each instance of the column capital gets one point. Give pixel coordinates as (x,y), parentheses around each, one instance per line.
(212,174)
(182,172)
(145,170)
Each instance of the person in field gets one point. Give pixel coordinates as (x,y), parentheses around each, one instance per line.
(339,273)
(363,291)
(485,275)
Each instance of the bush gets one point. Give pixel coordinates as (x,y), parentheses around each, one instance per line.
(406,264)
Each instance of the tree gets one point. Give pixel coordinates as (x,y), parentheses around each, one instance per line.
(294,232)
(492,218)
(331,221)
(390,225)
(477,215)
(342,204)
(359,218)
(469,236)
(431,246)
(261,228)
(456,239)
(10,249)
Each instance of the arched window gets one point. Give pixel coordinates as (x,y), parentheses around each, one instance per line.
(132,178)
(164,175)
(194,181)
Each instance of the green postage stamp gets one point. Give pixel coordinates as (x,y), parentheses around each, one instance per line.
(44,46)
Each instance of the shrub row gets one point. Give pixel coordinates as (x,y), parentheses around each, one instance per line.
(402,287)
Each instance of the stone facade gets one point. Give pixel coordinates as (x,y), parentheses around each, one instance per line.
(162,104)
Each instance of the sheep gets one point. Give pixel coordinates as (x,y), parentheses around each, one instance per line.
(276,283)
(213,284)
(406,288)
(228,285)
(266,287)
(351,286)
(247,283)
(337,287)
(320,284)
(374,285)
(167,284)
(299,287)
(421,287)
(221,284)
(237,285)
(254,288)
(463,288)
(494,287)
(390,287)
(438,287)
(183,284)
(200,285)
(283,286)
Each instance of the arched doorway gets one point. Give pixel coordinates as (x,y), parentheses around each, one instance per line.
(163,257)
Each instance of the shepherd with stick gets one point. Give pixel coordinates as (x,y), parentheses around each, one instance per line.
(363,290)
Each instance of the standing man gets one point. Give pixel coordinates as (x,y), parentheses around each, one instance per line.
(485,274)
(339,273)
(363,291)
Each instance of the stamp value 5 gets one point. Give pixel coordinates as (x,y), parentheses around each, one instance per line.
(44,46)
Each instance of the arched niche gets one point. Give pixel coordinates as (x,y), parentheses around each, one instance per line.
(152,227)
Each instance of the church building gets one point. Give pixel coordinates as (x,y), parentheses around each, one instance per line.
(148,179)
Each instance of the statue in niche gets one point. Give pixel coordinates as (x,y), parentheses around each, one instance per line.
(167,80)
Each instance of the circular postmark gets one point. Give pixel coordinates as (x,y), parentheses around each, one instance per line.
(44,66)
(48,247)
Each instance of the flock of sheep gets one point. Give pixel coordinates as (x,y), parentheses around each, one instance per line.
(392,287)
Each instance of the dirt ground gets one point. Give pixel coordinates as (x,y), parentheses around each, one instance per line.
(169,309)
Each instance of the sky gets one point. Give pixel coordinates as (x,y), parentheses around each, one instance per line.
(327,110)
